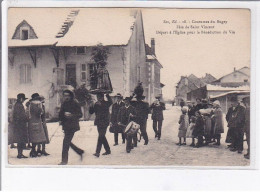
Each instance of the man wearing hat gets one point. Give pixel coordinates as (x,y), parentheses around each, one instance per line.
(113,120)
(157,108)
(237,122)
(20,125)
(142,111)
(230,133)
(69,116)
(246,102)
(101,110)
(126,114)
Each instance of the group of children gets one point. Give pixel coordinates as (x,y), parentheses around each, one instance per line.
(200,125)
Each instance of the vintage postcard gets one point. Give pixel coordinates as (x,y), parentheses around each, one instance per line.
(129,87)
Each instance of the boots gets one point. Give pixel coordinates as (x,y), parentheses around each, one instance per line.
(20,153)
(33,152)
(43,152)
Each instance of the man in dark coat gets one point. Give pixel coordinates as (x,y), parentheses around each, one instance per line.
(157,116)
(113,120)
(230,133)
(142,110)
(126,114)
(20,125)
(237,121)
(198,105)
(69,116)
(101,110)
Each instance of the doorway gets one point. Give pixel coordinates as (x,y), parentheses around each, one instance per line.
(71,75)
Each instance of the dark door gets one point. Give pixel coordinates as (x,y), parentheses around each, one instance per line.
(71,75)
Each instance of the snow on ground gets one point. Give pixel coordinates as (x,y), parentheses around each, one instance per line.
(157,153)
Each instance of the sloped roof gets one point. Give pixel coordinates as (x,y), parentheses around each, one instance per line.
(197,81)
(90,27)
(45,22)
(105,26)
(148,50)
(150,55)
(208,78)
(245,70)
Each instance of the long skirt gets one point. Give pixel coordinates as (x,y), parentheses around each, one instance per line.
(36,132)
(182,133)
(46,132)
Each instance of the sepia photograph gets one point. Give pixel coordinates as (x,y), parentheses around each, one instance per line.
(128,87)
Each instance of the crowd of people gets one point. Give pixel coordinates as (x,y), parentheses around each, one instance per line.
(128,116)
(203,121)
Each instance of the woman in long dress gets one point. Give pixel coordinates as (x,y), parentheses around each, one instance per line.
(35,127)
(218,121)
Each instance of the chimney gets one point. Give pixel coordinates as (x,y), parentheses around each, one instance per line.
(234,69)
(153,46)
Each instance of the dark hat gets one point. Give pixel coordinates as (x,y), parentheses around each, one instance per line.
(127,98)
(158,97)
(35,95)
(69,92)
(119,95)
(21,96)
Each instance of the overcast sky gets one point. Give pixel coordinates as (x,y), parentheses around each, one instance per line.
(198,54)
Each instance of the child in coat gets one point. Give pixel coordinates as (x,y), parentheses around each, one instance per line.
(190,130)
(184,123)
(198,129)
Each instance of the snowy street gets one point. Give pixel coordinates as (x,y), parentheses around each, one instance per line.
(164,152)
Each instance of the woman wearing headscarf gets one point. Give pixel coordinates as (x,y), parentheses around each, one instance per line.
(217,117)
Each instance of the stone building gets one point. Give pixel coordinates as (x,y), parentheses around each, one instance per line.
(190,83)
(50,50)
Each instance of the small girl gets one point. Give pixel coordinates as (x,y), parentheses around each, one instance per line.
(184,123)
(190,130)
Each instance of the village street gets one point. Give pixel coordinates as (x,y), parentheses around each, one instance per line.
(163,152)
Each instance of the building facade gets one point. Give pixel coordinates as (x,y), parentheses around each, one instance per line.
(49,62)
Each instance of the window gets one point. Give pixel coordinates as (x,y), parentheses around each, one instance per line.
(81,50)
(245,80)
(24,34)
(91,74)
(25,74)
(83,72)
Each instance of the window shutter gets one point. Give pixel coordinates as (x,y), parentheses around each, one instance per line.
(22,74)
(29,74)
